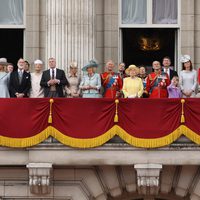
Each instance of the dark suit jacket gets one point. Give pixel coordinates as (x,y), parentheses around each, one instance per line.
(172,73)
(15,86)
(60,75)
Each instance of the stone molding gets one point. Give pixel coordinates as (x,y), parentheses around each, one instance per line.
(39,177)
(148,176)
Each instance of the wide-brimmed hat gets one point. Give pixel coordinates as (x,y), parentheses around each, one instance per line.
(185,58)
(92,63)
(3,61)
(132,67)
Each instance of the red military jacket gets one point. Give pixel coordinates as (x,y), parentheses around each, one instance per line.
(112,84)
(157,85)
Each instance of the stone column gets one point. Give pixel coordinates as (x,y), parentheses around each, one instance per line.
(197,33)
(148,176)
(70,31)
(111,30)
(32,34)
(187,28)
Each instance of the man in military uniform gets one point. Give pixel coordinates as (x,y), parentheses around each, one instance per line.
(157,82)
(111,81)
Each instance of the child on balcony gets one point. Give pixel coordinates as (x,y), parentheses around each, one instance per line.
(174,90)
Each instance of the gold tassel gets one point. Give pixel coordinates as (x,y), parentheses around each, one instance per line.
(50,120)
(182,113)
(116,119)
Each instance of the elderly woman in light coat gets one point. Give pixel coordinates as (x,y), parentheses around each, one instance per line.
(36,90)
(72,90)
(4,79)
(91,81)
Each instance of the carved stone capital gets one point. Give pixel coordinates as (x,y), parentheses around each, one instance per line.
(148,176)
(39,177)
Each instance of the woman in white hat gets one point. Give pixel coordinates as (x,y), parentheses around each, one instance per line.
(74,80)
(188,78)
(133,86)
(36,90)
(4,79)
(91,82)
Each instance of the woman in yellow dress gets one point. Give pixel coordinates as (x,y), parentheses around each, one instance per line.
(133,86)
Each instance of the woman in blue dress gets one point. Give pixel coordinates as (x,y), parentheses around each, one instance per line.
(91,81)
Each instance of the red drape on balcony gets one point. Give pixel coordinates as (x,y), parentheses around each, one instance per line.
(87,123)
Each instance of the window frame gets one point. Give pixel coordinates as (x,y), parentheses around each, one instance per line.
(149,23)
(17,26)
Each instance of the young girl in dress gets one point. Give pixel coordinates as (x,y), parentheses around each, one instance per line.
(174,90)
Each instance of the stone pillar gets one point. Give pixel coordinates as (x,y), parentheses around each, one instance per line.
(187,28)
(32,34)
(197,36)
(70,31)
(111,31)
(39,177)
(148,178)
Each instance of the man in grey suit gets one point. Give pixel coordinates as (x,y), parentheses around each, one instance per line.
(53,80)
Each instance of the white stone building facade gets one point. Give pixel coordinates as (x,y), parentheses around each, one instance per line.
(80,30)
(84,29)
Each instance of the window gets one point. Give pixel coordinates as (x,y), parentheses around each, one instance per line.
(142,46)
(134,11)
(14,38)
(149,12)
(12,25)
(155,24)
(165,11)
(11,12)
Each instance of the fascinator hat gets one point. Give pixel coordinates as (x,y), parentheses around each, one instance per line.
(38,62)
(3,61)
(73,64)
(91,63)
(185,58)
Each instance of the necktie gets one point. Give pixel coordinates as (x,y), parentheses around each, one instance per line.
(20,76)
(53,74)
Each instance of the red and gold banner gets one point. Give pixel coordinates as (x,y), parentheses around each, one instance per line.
(86,123)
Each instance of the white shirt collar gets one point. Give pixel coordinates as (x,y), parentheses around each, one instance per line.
(54,72)
(21,70)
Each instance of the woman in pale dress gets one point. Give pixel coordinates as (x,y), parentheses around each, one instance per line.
(188,78)
(91,81)
(36,90)
(4,79)
(74,80)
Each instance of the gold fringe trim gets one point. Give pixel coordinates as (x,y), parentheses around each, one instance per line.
(190,134)
(100,140)
(84,143)
(149,143)
(25,142)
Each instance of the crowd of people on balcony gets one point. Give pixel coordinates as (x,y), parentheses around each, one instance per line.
(130,82)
